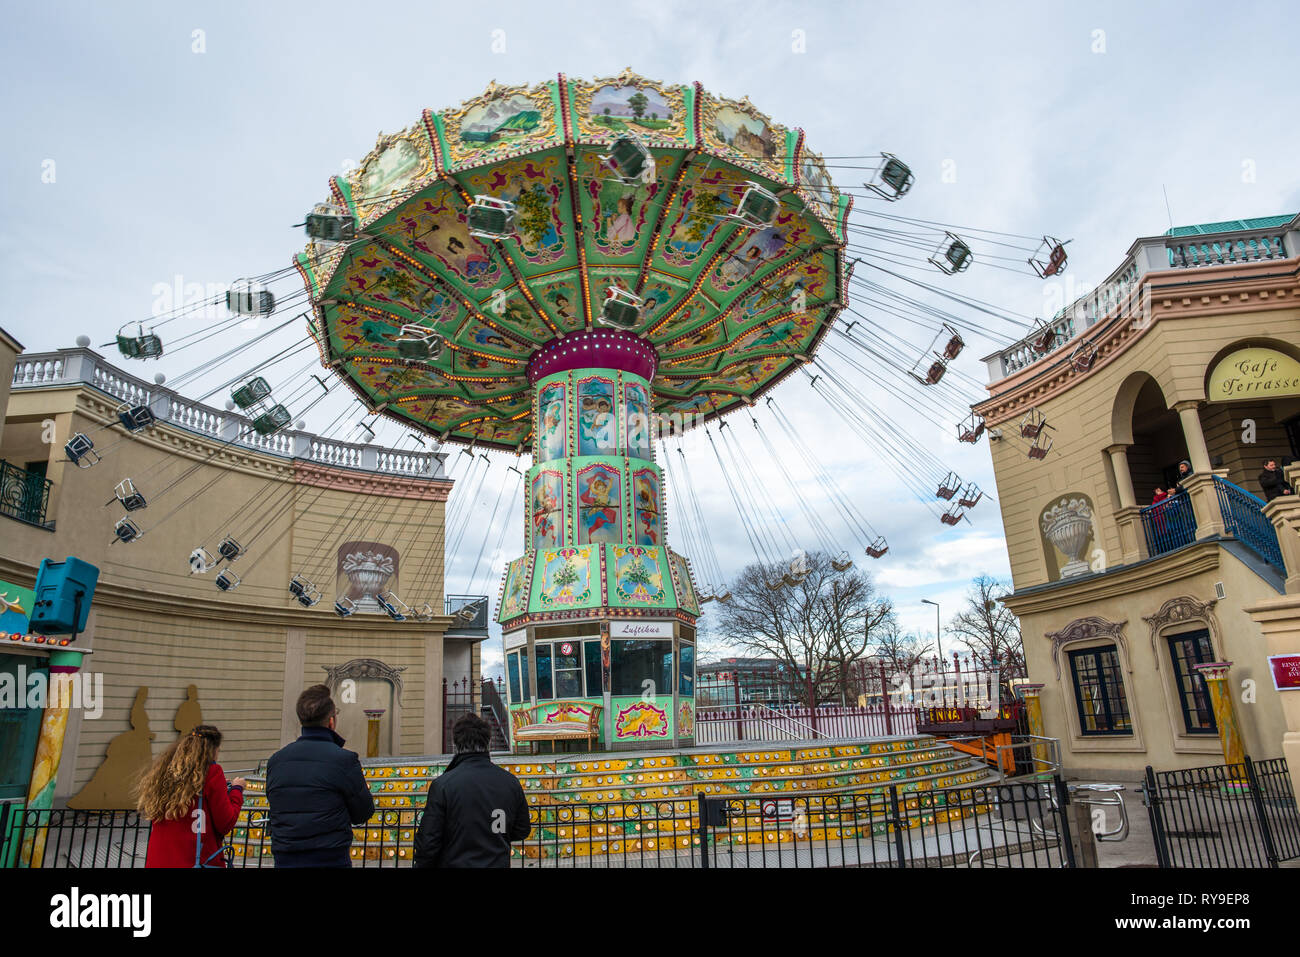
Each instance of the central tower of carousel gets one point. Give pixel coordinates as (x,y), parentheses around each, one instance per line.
(571,269)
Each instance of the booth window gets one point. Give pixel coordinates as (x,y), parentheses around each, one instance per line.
(634,662)
(591,652)
(561,674)
(545,691)
(686,671)
(1099,692)
(1187,651)
(517,669)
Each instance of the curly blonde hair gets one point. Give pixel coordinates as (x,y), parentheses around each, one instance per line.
(174,781)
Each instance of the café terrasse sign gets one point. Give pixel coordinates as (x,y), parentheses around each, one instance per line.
(1253,373)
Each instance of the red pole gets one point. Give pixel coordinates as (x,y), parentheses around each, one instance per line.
(444,715)
(884,693)
(958,699)
(812,703)
(735,685)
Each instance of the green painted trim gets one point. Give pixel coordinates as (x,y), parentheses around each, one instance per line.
(346,189)
(791,138)
(691,105)
(65,658)
(443,149)
(304,262)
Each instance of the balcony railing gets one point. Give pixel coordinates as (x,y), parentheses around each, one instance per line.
(1148,255)
(1169,524)
(1243,518)
(24,495)
(71,366)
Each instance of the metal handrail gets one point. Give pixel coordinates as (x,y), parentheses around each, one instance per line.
(815,732)
(1244,519)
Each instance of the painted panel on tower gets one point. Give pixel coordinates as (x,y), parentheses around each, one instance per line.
(596,418)
(600,496)
(567,576)
(649,527)
(552,430)
(547,509)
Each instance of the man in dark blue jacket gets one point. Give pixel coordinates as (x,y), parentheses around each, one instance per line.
(316,790)
(474,809)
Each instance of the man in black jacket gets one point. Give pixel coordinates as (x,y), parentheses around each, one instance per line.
(316,790)
(1272,481)
(474,808)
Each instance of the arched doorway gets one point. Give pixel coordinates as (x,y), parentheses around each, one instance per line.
(1142,420)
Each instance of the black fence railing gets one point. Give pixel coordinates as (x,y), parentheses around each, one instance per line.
(23,495)
(1226,815)
(64,838)
(1005,825)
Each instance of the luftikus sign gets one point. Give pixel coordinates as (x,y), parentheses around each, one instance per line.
(1253,373)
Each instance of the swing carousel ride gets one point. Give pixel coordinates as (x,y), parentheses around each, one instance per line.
(585,272)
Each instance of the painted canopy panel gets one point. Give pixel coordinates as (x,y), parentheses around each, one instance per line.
(728,305)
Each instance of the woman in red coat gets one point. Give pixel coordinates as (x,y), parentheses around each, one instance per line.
(170,793)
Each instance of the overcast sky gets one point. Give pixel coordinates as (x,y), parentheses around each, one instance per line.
(138,150)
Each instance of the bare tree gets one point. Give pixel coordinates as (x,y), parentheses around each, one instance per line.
(817,628)
(901,653)
(989,629)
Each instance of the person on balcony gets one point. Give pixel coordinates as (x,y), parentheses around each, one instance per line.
(1185,470)
(1273,482)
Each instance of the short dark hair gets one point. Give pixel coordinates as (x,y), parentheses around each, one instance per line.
(315,707)
(1269,459)
(470,733)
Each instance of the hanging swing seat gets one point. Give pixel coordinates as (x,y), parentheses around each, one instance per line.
(1044,338)
(424,612)
(1083,357)
(630,160)
(622,309)
(952,516)
(1032,424)
(952,256)
(251,392)
(757,208)
(949,486)
(126,530)
(142,345)
(878,547)
(971,429)
(1040,449)
(491,218)
(955,344)
(396,609)
(345,607)
(1049,258)
(227,580)
(248,298)
(724,597)
(842,562)
(303,590)
(935,373)
(229,549)
(81,451)
(892,179)
(272,420)
(419,344)
(970,495)
(331,224)
(776,585)
(467,613)
(201,561)
(135,418)
(129,495)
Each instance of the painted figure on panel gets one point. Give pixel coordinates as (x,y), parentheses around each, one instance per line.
(546,509)
(599,496)
(595,417)
(552,425)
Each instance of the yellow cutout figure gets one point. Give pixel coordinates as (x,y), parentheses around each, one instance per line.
(189,713)
(129,754)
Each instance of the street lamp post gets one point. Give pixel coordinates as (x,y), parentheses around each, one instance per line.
(937,637)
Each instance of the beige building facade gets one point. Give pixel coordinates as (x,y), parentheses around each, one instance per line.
(352,521)
(1190,351)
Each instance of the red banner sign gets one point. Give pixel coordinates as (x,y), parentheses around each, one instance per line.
(1286,672)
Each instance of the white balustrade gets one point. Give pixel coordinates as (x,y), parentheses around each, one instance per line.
(82,365)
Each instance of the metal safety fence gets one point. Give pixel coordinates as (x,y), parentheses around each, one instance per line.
(1226,815)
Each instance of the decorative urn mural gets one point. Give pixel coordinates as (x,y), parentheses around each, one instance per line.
(1067,526)
(366,569)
